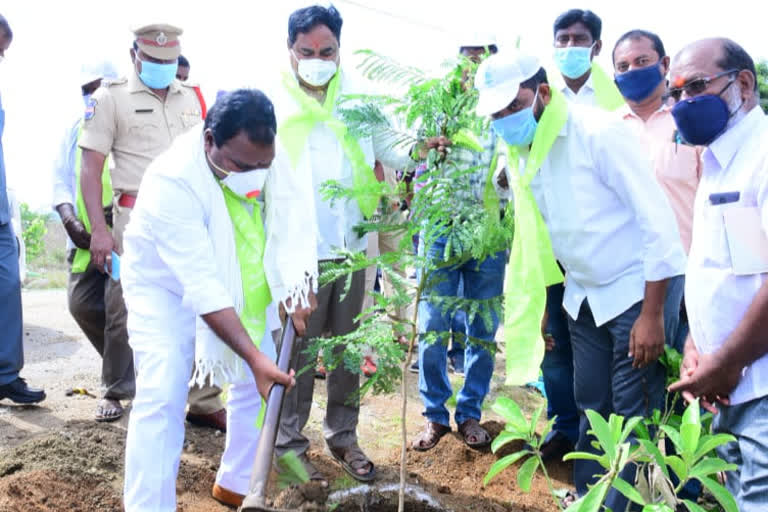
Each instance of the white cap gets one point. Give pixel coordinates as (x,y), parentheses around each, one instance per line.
(91,71)
(476,39)
(499,77)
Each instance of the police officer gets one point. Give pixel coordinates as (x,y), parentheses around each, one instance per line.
(86,289)
(135,119)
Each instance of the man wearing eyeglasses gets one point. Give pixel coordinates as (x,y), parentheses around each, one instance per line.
(725,362)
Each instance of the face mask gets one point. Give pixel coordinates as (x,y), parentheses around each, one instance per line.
(517,129)
(316,72)
(86,99)
(2,58)
(247,184)
(157,76)
(573,61)
(702,119)
(639,84)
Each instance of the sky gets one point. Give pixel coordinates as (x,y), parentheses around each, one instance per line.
(231,43)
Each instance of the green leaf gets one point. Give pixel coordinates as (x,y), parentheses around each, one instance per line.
(629,426)
(628,491)
(692,507)
(709,466)
(709,443)
(545,432)
(525,473)
(674,436)
(292,471)
(721,494)
(677,465)
(467,139)
(510,411)
(690,430)
(602,432)
(593,500)
(601,459)
(657,507)
(502,464)
(654,451)
(535,420)
(614,422)
(504,438)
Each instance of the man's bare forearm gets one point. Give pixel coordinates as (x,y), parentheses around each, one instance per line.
(655,296)
(227,326)
(90,185)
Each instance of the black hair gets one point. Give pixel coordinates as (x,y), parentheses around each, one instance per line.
(5,27)
(135,46)
(658,46)
(533,83)
(183,62)
(247,110)
(588,18)
(492,48)
(735,57)
(304,20)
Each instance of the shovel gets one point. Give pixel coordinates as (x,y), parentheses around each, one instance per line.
(255,500)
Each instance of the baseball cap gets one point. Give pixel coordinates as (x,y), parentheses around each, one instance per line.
(499,77)
(95,70)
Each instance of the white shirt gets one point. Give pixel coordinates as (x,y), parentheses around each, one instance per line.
(611,226)
(585,96)
(323,160)
(64,179)
(715,298)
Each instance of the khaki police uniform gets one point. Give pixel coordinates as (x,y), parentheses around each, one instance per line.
(128,120)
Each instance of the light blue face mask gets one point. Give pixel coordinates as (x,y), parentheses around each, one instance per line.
(86,99)
(157,76)
(517,129)
(573,61)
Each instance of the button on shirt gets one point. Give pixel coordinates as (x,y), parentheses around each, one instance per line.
(609,222)
(136,125)
(716,299)
(676,166)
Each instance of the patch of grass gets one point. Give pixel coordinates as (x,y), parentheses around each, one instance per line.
(343,482)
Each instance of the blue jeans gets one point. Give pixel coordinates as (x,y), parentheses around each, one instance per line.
(557,368)
(606,382)
(458,331)
(482,280)
(11,330)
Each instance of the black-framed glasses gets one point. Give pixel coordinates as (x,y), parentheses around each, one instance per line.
(699,85)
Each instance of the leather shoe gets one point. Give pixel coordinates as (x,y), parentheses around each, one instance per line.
(18,391)
(217,420)
(556,447)
(226,496)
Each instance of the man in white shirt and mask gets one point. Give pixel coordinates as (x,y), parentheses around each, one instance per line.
(725,360)
(199,272)
(319,150)
(611,228)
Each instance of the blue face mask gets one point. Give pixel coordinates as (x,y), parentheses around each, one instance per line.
(157,76)
(702,119)
(517,129)
(639,84)
(86,99)
(573,61)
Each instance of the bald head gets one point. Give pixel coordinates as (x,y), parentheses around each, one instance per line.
(707,58)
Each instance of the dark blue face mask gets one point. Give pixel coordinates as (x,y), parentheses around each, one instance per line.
(638,84)
(702,119)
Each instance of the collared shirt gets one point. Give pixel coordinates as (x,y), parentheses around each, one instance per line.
(324,159)
(476,180)
(134,124)
(585,96)
(676,166)
(716,299)
(5,214)
(64,178)
(597,195)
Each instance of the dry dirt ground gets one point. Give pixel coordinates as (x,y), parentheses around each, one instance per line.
(53,457)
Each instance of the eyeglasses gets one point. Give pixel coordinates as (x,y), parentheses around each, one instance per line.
(699,85)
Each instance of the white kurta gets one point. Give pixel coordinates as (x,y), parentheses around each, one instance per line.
(171,276)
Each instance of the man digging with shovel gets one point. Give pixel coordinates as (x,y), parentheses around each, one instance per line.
(200,271)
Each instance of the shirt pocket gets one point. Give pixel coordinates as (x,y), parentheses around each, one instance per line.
(190,119)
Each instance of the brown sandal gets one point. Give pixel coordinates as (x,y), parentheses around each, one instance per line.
(429,437)
(474,435)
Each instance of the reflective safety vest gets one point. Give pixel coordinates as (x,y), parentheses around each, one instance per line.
(83,256)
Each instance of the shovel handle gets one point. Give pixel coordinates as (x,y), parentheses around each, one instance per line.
(265,450)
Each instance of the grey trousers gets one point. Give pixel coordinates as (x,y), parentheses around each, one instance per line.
(748,422)
(11,330)
(605,381)
(86,294)
(340,427)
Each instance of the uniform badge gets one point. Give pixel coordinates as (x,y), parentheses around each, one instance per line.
(161,39)
(90,109)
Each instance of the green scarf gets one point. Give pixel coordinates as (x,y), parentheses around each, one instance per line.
(294,131)
(83,256)
(607,94)
(532,266)
(249,243)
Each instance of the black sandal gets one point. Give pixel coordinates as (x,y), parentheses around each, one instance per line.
(351,459)
(429,437)
(472,429)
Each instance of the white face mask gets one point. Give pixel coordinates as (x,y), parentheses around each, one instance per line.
(248,184)
(316,72)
